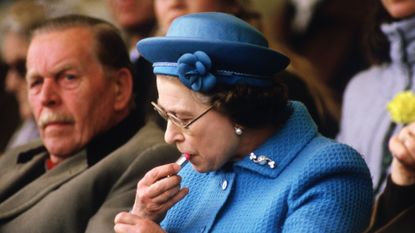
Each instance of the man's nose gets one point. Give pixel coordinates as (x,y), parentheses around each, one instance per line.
(49,93)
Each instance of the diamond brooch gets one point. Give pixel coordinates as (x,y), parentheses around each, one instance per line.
(262,160)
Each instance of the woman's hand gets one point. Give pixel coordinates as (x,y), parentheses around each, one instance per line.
(157,192)
(129,223)
(402,147)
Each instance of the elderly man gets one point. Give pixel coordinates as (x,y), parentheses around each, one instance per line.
(85,171)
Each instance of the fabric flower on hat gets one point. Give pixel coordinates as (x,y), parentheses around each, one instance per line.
(194,71)
(402,107)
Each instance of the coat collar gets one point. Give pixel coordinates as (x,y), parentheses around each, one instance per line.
(102,145)
(402,40)
(285,144)
(30,194)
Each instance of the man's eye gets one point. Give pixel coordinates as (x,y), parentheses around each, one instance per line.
(35,83)
(69,81)
(70,77)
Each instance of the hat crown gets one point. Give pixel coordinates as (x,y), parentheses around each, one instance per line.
(204,49)
(216,27)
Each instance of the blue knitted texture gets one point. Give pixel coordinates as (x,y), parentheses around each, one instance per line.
(318,185)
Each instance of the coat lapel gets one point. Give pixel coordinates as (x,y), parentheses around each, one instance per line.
(38,189)
(17,174)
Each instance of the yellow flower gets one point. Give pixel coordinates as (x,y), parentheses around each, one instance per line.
(402,107)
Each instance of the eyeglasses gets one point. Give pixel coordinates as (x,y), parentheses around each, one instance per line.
(175,120)
(19,66)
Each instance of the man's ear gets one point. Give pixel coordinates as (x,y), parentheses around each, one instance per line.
(123,88)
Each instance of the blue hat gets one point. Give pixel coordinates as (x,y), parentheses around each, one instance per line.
(207,48)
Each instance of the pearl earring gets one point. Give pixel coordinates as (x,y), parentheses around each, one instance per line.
(238,131)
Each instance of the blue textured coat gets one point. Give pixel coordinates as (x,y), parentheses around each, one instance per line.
(317,185)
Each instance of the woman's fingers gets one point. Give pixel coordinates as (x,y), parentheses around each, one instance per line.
(139,226)
(176,198)
(166,195)
(168,203)
(158,191)
(156,207)
(158,173)
(126,218)
(123,228)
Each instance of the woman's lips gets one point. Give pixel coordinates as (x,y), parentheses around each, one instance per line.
(187,156)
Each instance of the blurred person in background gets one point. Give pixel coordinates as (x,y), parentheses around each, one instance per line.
(20,18)
(93,148)
(328,34)
(366,124)
(9,116)
(323,39)
(167,10)
(136,20)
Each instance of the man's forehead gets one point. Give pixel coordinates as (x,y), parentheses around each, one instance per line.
(57,45)
(54,51)
(76,34)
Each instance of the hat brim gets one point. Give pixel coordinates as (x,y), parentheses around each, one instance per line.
(240,57)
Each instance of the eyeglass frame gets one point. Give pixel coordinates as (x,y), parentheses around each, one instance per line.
(177,121)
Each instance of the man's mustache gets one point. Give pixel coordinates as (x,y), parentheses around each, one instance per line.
(54,117)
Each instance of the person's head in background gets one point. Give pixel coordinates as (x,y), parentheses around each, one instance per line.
(167,10)
(385,11)
(136,18)
(15,29)
(79,82)
(399,9)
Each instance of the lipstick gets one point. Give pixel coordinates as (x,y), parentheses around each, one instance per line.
(183,159)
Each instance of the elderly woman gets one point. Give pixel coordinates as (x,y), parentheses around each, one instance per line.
(257,162)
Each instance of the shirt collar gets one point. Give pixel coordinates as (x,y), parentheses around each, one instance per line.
(402,40)
(110,140)
(285,144)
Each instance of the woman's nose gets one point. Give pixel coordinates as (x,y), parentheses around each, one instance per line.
(173,133)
